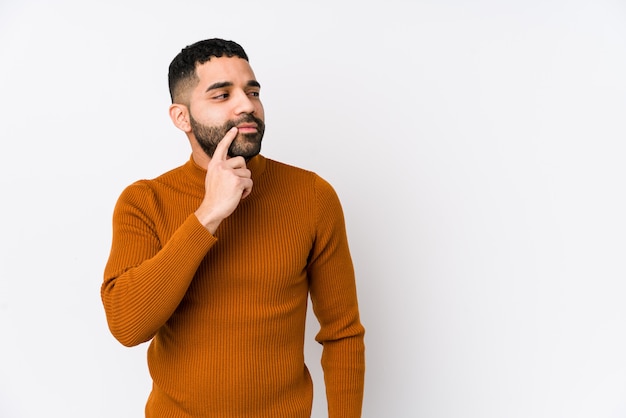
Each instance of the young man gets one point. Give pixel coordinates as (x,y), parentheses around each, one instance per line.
(214,261)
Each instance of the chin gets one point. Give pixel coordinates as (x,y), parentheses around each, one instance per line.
(247,150)
(247,153)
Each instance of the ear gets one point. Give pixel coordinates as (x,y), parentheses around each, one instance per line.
(180,117)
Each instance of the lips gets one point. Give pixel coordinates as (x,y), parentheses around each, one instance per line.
(247,127)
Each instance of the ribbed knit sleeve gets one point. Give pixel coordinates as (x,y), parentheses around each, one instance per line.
(146,279)
(334,298)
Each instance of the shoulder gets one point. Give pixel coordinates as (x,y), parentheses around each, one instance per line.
(166,179)
(281,168)
(297,175)
(137,195)
(305,183)
(144,190)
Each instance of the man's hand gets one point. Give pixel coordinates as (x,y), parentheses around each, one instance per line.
(228,180)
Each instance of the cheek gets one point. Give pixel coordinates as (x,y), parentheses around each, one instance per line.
(213,118)
(209,114)
(259,112)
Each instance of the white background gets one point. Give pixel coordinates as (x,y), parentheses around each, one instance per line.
(477,148)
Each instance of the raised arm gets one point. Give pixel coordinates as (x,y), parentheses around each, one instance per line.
(146,279)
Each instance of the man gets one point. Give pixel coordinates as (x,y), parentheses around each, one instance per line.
(214,261)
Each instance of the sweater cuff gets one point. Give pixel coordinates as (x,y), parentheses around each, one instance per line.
(197,239)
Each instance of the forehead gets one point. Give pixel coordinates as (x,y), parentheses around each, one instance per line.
(224,69)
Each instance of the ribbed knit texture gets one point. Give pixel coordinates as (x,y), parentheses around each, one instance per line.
(226,313)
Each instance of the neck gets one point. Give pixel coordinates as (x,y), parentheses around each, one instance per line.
(199,156)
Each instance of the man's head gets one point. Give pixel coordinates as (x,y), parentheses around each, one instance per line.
(182,72)
(213,88)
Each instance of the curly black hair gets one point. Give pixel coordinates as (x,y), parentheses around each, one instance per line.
(182,70)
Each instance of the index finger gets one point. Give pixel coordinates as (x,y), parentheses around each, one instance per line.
(221,151)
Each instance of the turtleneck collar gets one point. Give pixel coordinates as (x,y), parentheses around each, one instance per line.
(256,165)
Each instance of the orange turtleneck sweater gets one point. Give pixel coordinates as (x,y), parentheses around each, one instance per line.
(226,312)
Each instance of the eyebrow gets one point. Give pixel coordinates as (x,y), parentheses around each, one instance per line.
(222,84)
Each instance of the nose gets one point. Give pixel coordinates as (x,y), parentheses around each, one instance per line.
(244,104)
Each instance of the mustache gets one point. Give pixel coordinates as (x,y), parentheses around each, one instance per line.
(247,118)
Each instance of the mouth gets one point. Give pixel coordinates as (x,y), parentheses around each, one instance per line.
(246,128)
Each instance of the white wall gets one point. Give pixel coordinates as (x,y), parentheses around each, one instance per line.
(477,148)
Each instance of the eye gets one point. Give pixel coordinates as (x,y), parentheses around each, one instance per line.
(254,93)
(221,96)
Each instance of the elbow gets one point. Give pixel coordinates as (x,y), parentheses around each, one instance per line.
(129,336)
(129,331)
(354,333)
(125,325)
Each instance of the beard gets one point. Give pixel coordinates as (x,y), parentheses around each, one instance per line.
(244,145)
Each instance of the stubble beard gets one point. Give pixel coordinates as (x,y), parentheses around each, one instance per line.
(245,145)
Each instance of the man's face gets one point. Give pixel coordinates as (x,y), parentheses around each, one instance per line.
(227,95)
